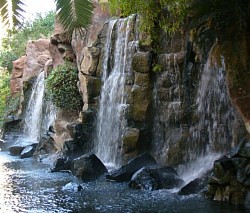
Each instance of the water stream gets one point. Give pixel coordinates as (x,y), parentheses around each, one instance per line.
(40,114)
(33,117)
(27,186)
(215,126)
(111,121)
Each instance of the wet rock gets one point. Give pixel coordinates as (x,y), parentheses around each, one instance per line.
(140,101)
(126,172)
(88,167)
(16,150)
(130,139)
(230,180)
(223,168)
(62,164)
(242,150)
(28,151)
(193,187)
(90,60)
(141,62)
(153,178)
(2,142)
(142,79)
(45,146)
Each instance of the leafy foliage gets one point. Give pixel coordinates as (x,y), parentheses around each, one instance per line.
(74,14)
(6,58)
(15,43)
(14,16)
(4,93)
(62,87)
(166,14)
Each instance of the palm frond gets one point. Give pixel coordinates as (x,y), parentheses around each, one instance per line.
(11,12)
(74,14)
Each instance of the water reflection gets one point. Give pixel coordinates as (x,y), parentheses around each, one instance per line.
(28,186)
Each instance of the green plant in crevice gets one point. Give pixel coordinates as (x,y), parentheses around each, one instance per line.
(62,89)
(156,15)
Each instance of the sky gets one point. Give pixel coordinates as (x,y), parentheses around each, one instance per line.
(32,7)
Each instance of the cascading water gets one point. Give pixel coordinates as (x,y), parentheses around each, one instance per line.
(214,128)
(217,117)
(116,69)
(33,117)
(39,114)
(167,104)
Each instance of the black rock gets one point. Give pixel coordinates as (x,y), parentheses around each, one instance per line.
(28,151)
(16,150)
(193,187)
(242,150)
(88,167)
(45,146)
(62,164)
(155,177)
(126,172)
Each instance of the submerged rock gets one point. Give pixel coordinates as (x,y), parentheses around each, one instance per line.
(155,177)
(16,150)
(193,187)
(28,151)
(88,167)
(44,147)
(1,142)
(126,172)
(62,164)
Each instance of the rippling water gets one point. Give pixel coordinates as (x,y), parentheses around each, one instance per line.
(27,186)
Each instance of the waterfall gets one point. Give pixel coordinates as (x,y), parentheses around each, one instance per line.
(39,113)
(212,128)
(216,127)
(33,117)
(167,105)
(116,69)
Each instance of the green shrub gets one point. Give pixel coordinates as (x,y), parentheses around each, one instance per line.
(62,88)
(4,94)
(6,59)
(167,15)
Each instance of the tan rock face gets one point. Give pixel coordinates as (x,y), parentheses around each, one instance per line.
(88,55)
(16,83)
(37,56)
(90,61)
(61,127)
(18,67)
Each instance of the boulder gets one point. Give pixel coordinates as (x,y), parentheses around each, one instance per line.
(242,150)
(28,151)
(140,101)
(90,60)
(37,55)
(44,147)
(193,187)
(142,79)
(126,172)
(1,142)
(16,150)
(23,150)
(88,167)
(223,169)
(61,164)
(141,62)
(130,139)
(155,177)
